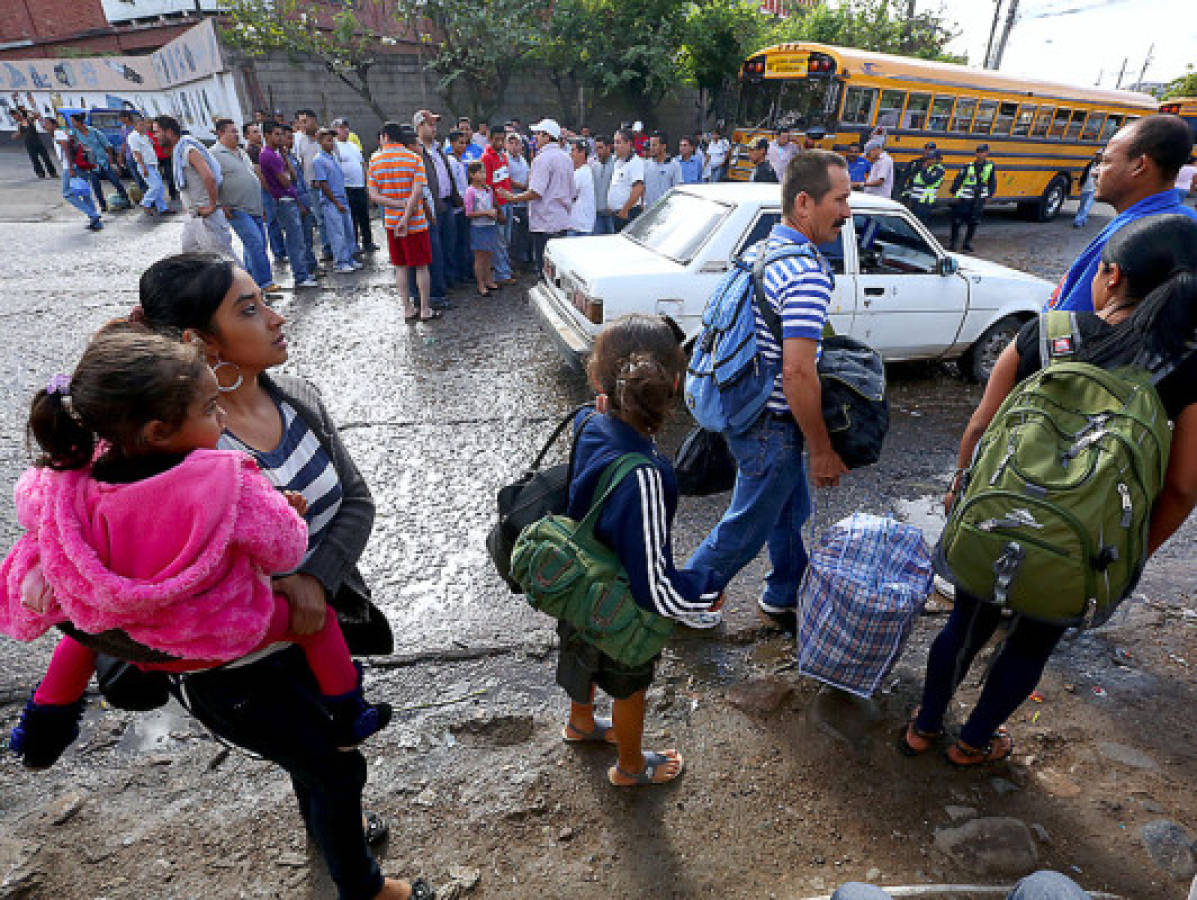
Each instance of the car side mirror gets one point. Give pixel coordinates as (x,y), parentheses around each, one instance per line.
(948,265)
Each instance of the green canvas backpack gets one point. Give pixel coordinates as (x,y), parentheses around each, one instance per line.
(570,574)
(1052,518)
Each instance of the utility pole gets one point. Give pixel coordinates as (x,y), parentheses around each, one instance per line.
(1118,83)
(997,15)
(1146,63)
(1100,73)
(1011,15)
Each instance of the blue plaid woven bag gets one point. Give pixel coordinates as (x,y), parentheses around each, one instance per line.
(867,582)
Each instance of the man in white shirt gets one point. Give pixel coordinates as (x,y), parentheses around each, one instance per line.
(660,172)
(581,219)
(781,151)
(141,151)
(880,180)
(627,181)
(1186,180)
(353,166)
(717,152)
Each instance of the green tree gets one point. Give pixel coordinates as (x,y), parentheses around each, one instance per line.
(475,46)
(885,26)
(1184,86)
(339,41)
(719,36)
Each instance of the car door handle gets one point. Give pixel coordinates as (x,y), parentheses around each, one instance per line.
(874,291)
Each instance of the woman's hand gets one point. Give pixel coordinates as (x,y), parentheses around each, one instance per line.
(307,599)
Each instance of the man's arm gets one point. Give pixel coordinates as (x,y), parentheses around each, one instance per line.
(196,159)
(804,393)
(633,199)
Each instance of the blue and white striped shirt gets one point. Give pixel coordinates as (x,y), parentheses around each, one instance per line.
(299,463)
(799,289)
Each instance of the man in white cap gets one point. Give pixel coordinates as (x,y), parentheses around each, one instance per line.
(550,192)
(880,180)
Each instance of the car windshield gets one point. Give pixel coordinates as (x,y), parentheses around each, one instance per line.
(105,120)
(677,225)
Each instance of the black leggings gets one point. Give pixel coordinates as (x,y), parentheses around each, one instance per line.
(1012,678)
(43,166)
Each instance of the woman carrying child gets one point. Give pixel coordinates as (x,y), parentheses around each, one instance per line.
(484,232)
(636,367)
(1145,296)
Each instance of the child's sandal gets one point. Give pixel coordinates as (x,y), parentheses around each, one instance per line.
(961,756)
(913,741)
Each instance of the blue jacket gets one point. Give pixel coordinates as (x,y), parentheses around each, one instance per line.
(636,520)
(1075,290)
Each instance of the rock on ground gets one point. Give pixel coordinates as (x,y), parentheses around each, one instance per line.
(1171,848)
(992,846)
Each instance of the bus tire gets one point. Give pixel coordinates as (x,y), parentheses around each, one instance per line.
(1048,206)
(978,360)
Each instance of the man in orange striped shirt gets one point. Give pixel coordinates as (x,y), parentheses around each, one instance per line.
(396,182)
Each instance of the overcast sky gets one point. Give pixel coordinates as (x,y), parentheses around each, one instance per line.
(1076,41)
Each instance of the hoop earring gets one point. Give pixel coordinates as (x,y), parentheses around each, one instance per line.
(236,384)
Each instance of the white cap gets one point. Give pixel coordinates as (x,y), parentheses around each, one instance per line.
(549,127)
(637,125)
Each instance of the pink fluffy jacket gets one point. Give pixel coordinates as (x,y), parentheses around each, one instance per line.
(181,561)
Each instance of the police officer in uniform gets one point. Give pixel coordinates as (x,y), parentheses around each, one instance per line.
(974,184)
(922,189)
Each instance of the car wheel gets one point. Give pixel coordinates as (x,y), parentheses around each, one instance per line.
(1053,198)
(982,356)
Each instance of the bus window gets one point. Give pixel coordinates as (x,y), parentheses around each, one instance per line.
(1074,127)
(965,107)
(858,106)
(1005,118)
(941,112)
(757,99)
(1092,126)
(1043,122)
(1112,124)
(916,111)
(889,113)
(1026,115)
(984,119)
(1060,123)
(804,104)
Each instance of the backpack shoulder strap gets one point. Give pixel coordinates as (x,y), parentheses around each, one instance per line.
(1059,337)
(615,473)
(558,431)
(762,261)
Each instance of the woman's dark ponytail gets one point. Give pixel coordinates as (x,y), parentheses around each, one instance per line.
(65,441)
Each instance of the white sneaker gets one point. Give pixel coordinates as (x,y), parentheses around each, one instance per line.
(309,283)
(945,588)
(347,269)
(358,264)
(701,621)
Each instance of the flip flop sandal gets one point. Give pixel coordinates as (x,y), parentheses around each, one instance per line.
(987,755)
(422,890)
(931,737)
(412,319)
(376,828)
(652,762)
(435,314)
(597,735)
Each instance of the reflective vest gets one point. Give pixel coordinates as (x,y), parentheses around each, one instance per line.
(926,182)
(968,189)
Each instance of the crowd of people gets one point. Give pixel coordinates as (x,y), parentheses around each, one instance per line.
(143,413)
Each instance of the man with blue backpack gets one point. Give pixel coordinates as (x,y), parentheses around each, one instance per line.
(763,393)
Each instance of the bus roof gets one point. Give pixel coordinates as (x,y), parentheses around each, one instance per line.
(952,75)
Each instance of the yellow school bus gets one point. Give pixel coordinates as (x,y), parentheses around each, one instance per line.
(1186,108)
(1040,135)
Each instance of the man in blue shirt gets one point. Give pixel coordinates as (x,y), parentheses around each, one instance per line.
(1136,176)
(334,201)
(103,157)
(858,166)
(688,161)
(771,500)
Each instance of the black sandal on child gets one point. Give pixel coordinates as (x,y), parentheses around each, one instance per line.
(962,756)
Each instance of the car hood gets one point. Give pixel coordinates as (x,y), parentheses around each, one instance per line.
(974,265)
(604,256)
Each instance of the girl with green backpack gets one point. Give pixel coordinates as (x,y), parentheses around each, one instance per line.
(1145,294)
(637,367)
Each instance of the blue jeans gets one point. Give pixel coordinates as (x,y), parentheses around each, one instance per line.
(448,223)
(1082,213)
(274,708)
(274,231)
(1042,885)
(604,223)
(338,226)
(769,505)
(81,200)
(718,173)
(249,230)
(155,192)
(436,270)
(463,253)
(500,260)
(308,220)
(317,209)
(106,173)
(291,222)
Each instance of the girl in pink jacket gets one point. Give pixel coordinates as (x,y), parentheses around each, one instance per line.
(134,521)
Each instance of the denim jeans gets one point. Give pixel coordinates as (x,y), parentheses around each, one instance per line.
(359,206)
(718,173)
(106,173)
(288,217)
(317,208)
(338,226)
(436,270)
(81,200)
(155,194)
(604,223)
(522,251)
(274,231)
(539,239)
(770,503)
(500,260)
(249,230)
(273,708)
(448,223)
(1082,213)
(308,222)
(465,256)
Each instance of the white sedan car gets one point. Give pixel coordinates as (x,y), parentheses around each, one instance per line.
(896,288)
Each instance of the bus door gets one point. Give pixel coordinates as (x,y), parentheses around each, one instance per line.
(904,307)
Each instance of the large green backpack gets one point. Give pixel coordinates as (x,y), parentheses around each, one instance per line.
(1052,518)
(570,574)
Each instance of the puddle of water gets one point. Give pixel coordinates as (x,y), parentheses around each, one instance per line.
(152,731)
(925,513)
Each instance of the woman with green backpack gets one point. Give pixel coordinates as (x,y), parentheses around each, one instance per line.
(637,367)
(1145,296)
